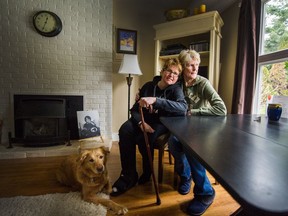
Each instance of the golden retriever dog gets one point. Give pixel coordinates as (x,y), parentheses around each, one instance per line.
(87,172)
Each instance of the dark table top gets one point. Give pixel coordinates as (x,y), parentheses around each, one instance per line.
(248,158)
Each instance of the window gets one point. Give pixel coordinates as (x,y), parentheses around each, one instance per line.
(272,76)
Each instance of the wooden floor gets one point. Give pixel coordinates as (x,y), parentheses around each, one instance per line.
(35,176)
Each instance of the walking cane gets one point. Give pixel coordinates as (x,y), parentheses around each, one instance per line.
(158,200)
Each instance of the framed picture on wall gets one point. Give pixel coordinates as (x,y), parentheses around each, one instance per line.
(126,41)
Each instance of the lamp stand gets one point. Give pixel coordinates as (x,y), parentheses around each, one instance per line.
(129,82)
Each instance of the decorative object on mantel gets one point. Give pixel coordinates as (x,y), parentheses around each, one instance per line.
(195,11)
(129,66)
(174,14)
(200,10)
(88,124)
(89,131)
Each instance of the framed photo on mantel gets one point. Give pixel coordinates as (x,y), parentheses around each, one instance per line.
(126,41)
(88,124)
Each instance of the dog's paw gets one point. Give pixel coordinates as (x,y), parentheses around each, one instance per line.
(120,210)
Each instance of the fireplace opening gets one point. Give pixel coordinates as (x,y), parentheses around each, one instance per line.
(44,120)
(43,127)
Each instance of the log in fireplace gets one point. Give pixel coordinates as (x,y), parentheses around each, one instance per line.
(44,120)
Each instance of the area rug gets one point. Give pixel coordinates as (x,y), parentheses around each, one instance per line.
(62,204)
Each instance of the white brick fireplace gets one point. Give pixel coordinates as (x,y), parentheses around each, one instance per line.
(78,61)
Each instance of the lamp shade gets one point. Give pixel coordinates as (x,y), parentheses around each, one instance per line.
(130,65)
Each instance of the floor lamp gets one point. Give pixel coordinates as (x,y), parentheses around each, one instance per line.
(129,66)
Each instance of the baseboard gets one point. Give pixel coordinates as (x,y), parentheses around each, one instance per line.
(115,137)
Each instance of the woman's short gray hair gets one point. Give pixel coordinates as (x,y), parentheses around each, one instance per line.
(186,56)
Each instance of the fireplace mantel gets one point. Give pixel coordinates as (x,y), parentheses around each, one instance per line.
(45,119)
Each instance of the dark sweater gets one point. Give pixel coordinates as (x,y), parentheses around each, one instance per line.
(169,102)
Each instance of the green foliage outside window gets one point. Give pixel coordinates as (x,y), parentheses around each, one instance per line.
(275,76)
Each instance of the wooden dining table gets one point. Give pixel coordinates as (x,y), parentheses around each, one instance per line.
(247,155)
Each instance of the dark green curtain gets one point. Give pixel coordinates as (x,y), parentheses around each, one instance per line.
(247,56)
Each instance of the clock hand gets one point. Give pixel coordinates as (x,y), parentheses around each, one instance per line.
(45,23)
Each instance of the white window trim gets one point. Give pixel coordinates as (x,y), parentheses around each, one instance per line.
(270,58)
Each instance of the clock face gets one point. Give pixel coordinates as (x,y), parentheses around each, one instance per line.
(47,23)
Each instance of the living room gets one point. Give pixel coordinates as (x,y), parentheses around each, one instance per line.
(82,61)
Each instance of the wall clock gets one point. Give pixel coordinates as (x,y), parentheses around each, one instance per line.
(47,23)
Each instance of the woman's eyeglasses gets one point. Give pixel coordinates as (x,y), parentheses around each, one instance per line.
(172,72)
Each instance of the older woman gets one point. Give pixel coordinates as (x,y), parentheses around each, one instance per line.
(202,99)
(161,97)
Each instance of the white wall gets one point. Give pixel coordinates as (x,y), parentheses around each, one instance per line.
(228,53)
(77,61)
(132,14)
(128,14)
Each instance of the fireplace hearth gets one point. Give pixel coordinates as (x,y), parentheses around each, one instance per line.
(45,120)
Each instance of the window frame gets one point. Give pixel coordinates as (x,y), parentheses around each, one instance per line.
(264,59)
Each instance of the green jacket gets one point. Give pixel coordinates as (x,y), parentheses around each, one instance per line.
(203,99)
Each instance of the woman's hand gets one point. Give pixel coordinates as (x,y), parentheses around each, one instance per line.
(146,101)
(147,127)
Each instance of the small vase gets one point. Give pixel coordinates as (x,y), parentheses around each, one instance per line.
(274,111)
